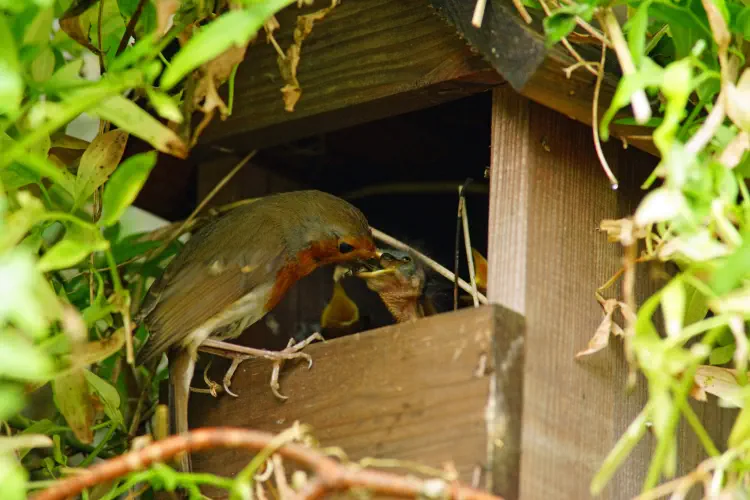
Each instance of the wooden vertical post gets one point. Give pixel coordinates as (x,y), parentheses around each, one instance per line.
(546,259)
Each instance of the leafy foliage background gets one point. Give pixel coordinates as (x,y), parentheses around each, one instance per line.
(68,280)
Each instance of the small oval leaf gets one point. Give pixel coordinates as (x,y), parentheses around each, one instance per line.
(124,186)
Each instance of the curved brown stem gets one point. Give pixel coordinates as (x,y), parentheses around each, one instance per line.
(330,475)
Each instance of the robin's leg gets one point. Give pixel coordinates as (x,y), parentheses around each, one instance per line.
(238,354)
(181,371)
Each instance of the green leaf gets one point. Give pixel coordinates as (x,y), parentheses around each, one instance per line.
(147,20)
(164,105)
(722,355)
(78,244)
(71,394)
(12,399)
(20,359)
(28,301)
(43,65)
(648,75)
(13,477)
(107,394)
(563,21)
(39,30)
(697,305)
(113,25)
(741,428)
(730,273)
(636,27)
(65,76)
(234,28)
(98,162)
(124,186)
(741,24)
(129,116)
(11,81)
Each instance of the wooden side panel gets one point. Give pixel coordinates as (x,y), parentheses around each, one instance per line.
(415,391)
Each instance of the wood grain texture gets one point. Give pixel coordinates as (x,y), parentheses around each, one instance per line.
(544,171)
(409,391)
(509,187)
(366,60)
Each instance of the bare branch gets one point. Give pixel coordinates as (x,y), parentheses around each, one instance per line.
(330,474)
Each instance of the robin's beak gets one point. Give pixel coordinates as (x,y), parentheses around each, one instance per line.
(341,272)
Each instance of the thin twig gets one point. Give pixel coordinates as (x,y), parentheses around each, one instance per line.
(101,47)
(457,252)
(131,27)
(595,122)
(330,475)
(467,242)
(581,61)
(435,266)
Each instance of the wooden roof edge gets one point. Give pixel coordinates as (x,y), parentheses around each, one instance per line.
(372,59)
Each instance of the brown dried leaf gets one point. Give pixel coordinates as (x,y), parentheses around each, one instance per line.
(209,77)
(99,161)
(216,72)
(718,25)
(164,10)
(75,29)
(622,230)
(606,328)
(291,92)
(71,394)
(738,101)
(735,150)
(271,25)
(721,382)
(99,350)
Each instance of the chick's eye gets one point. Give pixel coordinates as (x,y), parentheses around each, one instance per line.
(406,259)
(345,247)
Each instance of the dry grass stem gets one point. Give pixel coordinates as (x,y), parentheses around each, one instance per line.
(467,242)
(595,122)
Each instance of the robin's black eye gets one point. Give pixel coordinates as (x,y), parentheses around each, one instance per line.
(345,247)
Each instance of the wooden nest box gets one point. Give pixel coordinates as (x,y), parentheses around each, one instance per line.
(401,101)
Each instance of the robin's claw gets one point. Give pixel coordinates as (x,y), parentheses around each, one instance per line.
(238,354)
(213,388)
(236,360)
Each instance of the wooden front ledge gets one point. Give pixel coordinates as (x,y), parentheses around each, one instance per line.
(420,391)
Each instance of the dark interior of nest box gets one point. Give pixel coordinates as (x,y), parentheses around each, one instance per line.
(403,172)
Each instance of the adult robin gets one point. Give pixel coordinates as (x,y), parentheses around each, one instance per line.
(236,269)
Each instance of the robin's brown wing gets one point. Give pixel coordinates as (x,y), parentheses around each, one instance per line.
(219,266)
